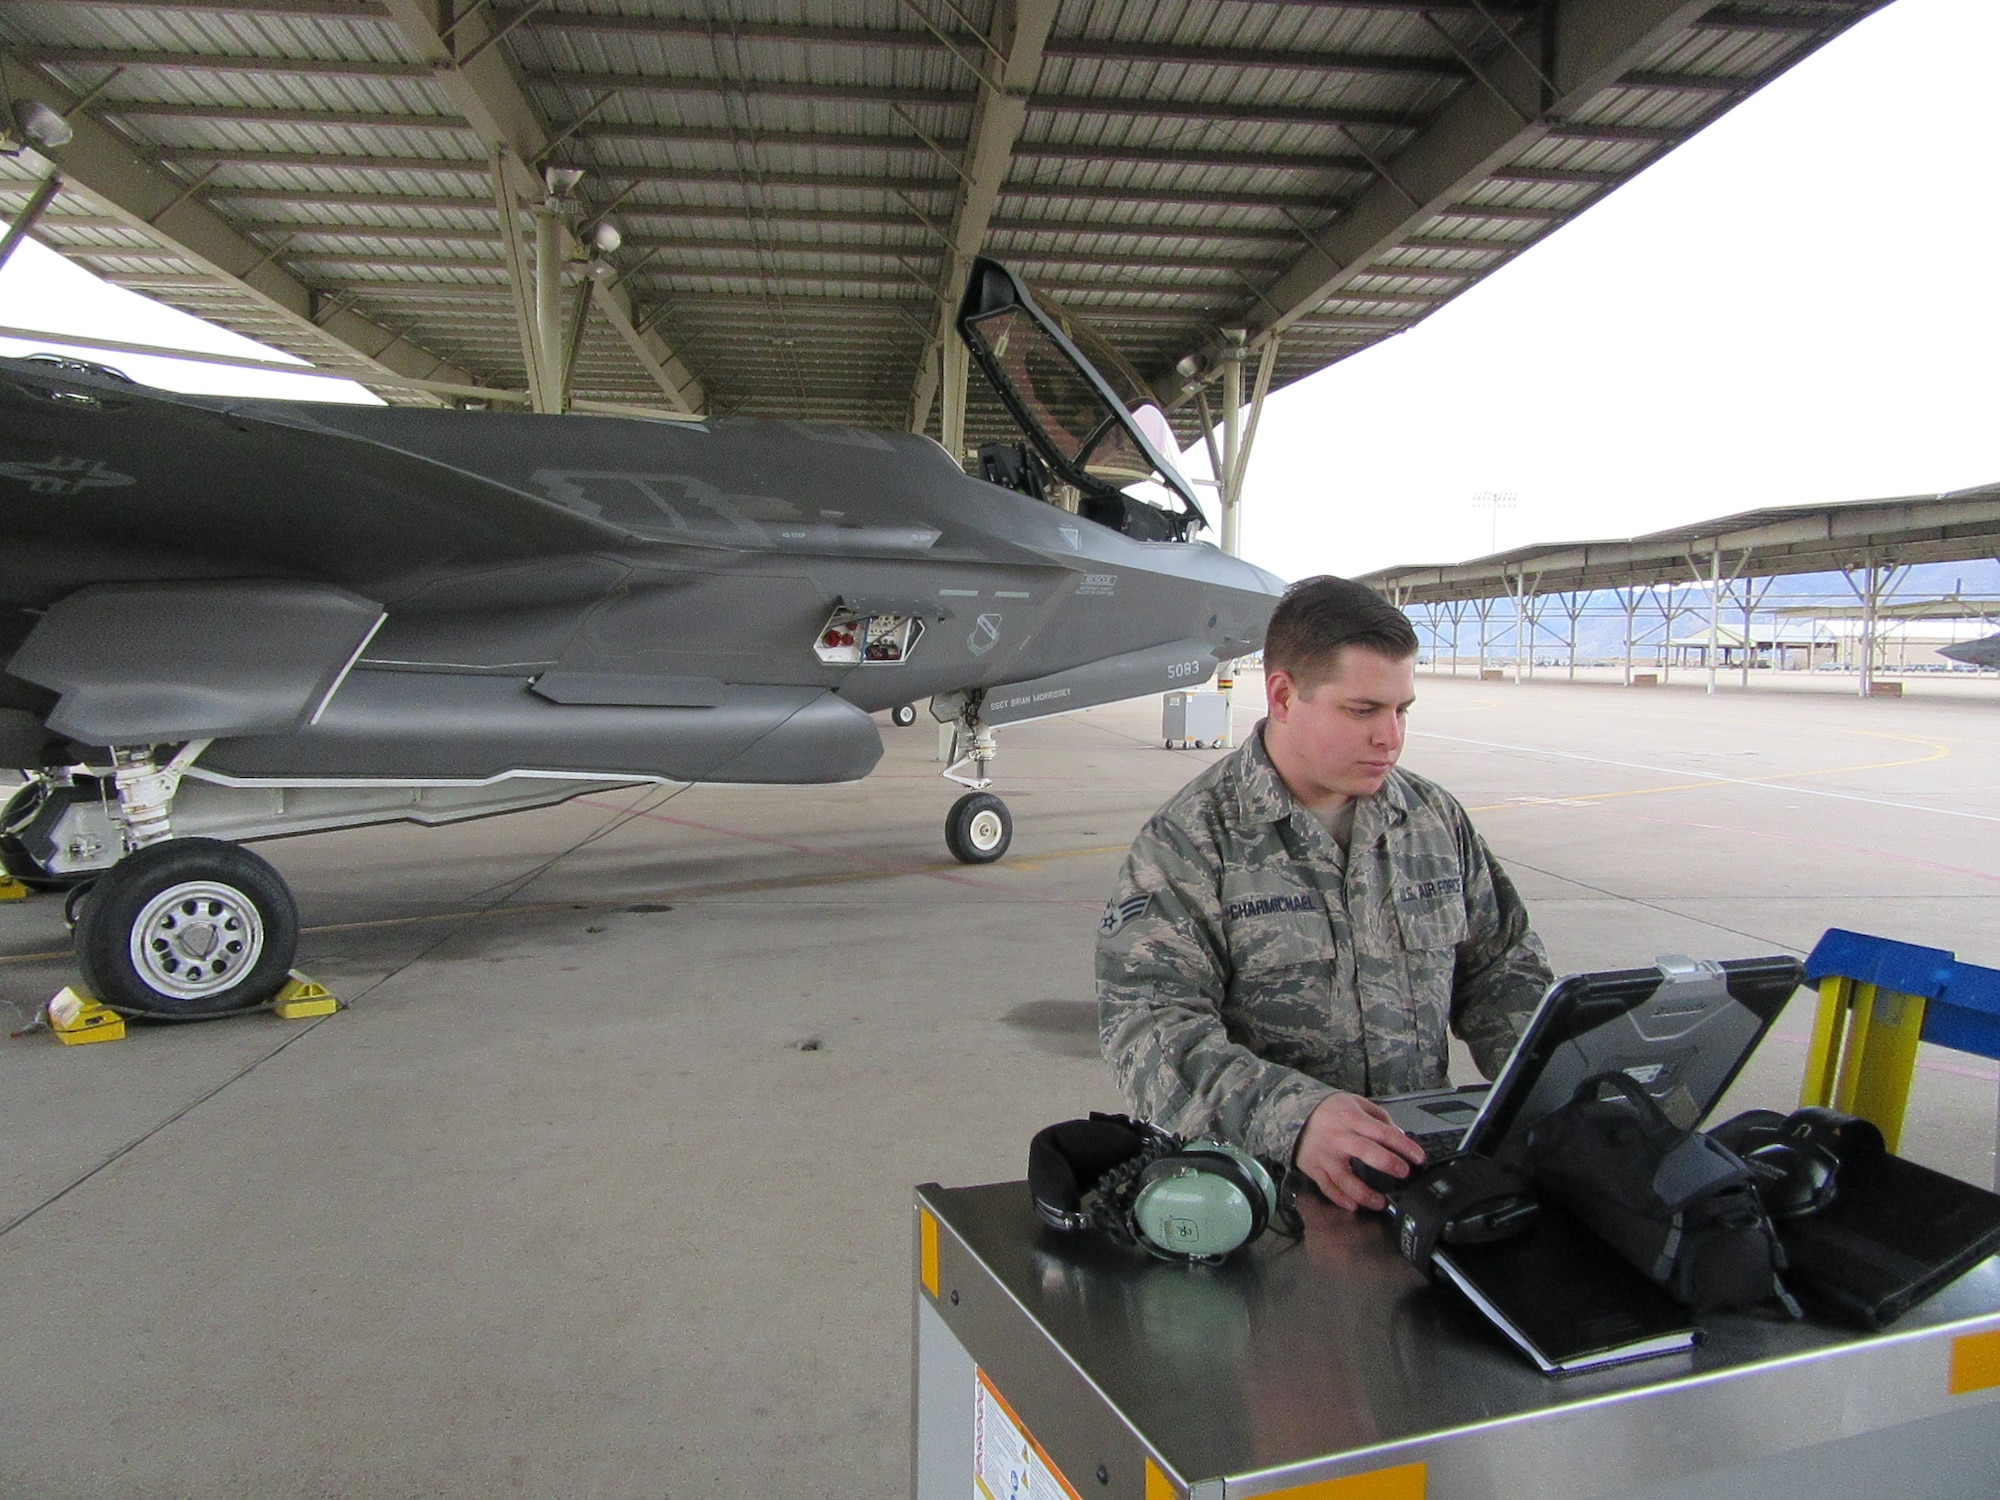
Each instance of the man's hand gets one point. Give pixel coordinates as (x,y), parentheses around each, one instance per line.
(1346,1128)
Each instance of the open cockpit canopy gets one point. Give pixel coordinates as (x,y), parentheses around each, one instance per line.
(1095,435)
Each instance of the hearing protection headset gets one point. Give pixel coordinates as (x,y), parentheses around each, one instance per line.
(1193,1200)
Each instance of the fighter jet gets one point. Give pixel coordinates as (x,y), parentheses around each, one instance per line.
(226,620)
(1984,653)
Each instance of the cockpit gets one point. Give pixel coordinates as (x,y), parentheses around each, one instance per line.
(1089,445)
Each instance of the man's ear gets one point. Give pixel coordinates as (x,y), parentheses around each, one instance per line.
(1279,691)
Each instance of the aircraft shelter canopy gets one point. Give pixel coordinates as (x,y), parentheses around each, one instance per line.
(798,186)
(1850,536)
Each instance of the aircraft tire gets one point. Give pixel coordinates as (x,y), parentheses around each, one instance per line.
(187,930)
(904,715)
(15,859)
(978,829)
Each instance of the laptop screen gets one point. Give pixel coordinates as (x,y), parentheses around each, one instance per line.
(1683,1030)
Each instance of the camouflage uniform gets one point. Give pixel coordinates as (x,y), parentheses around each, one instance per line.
(1246,970)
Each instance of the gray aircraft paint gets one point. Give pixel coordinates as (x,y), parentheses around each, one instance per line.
(1981,653)
(557,596)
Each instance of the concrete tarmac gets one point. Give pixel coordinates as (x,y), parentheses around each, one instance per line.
(602,1185)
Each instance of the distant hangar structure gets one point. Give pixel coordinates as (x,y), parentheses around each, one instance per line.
(769,207)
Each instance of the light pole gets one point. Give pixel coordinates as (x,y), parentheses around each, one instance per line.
(1495,501)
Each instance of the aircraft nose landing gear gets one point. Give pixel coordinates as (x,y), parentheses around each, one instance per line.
(978,828)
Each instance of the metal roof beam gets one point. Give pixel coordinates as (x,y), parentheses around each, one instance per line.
(1587,44)
(1000,109)
(482,86)
(1082,49)
(753,241)
(103,169)
(339,10)
(1150,107)
(1742,18)
(728,178)
(634,209)
(373,9)
(148,109)
(450,124)
(221,62)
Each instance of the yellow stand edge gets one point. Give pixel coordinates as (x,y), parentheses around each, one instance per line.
(1870,1075)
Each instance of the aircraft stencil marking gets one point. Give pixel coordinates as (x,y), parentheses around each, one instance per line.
(66,476)
(985,635)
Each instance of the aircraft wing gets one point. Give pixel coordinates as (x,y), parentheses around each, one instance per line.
(143,662)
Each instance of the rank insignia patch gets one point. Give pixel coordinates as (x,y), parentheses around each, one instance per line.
(1119,913)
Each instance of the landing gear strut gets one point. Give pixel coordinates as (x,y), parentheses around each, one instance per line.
(979,828)
(180,929)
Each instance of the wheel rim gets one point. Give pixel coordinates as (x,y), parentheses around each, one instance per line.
(197,939)
(985,830)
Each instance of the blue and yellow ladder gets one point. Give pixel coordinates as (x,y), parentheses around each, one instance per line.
(1877,999)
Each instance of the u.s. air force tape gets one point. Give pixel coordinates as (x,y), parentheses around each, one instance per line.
(1118,913)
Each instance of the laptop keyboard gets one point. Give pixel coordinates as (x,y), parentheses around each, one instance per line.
(1440,1142)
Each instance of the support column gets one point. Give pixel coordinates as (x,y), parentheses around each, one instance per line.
(1631,604)
(548,305)
(30,214)
(1869,598)
(951,414)
(1232,437)
(1714,610)
(1520,620)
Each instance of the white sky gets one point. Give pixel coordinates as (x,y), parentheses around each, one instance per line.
(40,290)
(1795,306)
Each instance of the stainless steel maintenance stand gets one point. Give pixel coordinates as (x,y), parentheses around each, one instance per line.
(1051,1366)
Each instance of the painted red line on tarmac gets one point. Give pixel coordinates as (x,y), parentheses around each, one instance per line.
(877,864)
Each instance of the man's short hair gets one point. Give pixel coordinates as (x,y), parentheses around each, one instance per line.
(1319,616)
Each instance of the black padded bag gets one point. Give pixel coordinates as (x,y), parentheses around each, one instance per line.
(1677,1205)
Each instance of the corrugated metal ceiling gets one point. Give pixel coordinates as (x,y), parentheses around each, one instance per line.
(787,173)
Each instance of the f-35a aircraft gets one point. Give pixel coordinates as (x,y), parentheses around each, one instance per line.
(1980,653)
(226,620)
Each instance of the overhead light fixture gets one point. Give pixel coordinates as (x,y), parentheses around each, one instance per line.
(1189,365)
(42,125)
(562,180)
(605,236)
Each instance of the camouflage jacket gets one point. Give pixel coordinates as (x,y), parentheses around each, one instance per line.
(1245,971)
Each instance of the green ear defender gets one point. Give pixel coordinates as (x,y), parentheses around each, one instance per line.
(1203,1201)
